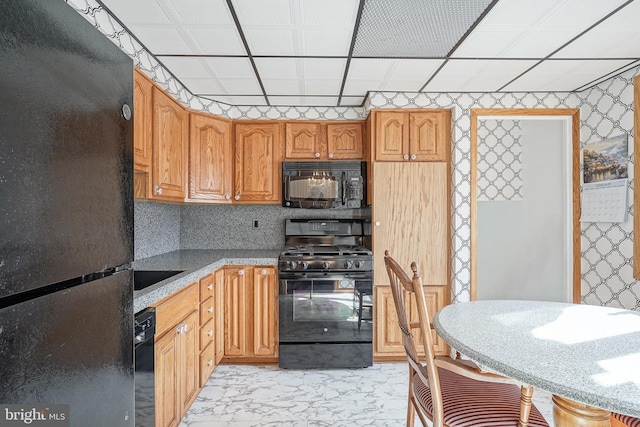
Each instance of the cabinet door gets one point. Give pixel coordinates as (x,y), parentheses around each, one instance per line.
(236,316)
(411,221)
(166,380)
(392,136)
(142,130)
(344,141)
(258,163)
(210,158)
(387,334)
(219,315)
(303,141)
(428,133)
(188,370)
(170,139)
(265,311)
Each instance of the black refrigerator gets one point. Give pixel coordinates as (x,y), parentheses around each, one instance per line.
(66,215)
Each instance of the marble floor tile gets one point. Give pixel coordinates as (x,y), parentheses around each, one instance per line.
(267,396)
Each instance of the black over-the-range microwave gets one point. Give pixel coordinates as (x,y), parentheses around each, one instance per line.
(324,185)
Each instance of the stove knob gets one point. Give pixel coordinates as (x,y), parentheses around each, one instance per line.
(325,265)
(293,264)
(359,264)
(304,265)
(348,264)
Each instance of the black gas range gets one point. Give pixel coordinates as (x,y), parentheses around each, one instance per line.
(325,301)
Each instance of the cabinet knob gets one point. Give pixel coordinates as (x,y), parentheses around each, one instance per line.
(227,196)
(237,197)
(185,328)
(406,157)
(210,287)
(210,310)
(317,154)
(377,223)
(158,190)
(413,157)
(241,273)
(210,333)
(264,271)
(331,155)
(210,363)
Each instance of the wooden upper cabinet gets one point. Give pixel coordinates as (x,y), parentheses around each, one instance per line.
(428,132)
(258,160)
(392,136)
(415,135)
(344,141)
(142,131)
(303,141)
(323,141)
(210,158)
(170,143)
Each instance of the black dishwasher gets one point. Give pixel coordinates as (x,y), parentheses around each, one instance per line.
(145,328)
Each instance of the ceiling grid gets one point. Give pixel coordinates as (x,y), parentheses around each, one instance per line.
(328,53)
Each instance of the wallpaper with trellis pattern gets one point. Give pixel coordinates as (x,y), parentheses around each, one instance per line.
(605,110)
(499,160)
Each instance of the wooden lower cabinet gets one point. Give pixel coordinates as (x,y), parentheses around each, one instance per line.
(387,335)
(176,355)
(219,315)
(250,314)
(207,327)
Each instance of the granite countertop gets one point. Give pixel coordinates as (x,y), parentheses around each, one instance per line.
(195,264)
(585,353)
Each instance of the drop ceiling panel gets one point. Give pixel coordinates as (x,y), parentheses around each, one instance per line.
(294,76)
(199,67)
(202,85)
(317,101)
(297,27)
(351,101)
(563,75)
(221,40)
(389,74)
(476,75)
(532,29)
(139,11)
(199,11)
(241,86)
(414,28)
(162,39)
(617,37)
(239,100)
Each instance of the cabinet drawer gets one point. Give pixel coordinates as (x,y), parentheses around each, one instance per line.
(175,308)
(207,363)
(206,287)
(206,334)
(206,311)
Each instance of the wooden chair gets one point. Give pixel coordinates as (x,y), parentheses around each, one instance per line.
(451,392)
(618,420)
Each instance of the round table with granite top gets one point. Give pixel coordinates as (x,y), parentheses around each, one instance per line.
(587,356)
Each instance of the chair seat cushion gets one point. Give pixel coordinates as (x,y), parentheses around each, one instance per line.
(472,403)
(630,421)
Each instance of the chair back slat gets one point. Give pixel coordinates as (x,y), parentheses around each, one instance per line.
(404,290)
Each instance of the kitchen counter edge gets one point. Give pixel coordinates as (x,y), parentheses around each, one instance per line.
(195,263)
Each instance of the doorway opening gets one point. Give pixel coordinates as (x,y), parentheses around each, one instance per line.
(525,190)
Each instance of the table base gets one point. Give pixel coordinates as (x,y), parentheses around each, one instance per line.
(568,413)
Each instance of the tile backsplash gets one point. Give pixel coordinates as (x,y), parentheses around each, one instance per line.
(163,228)
(156,229)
